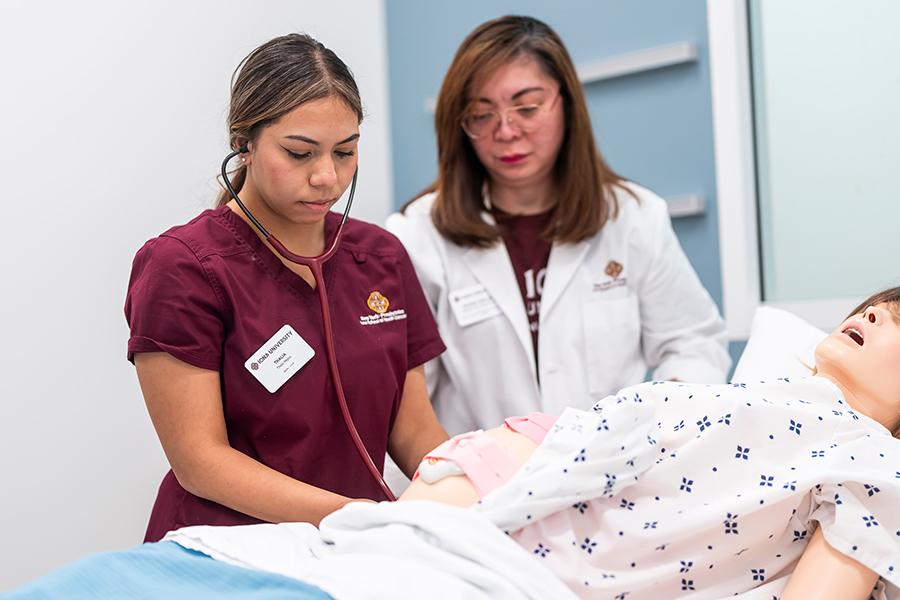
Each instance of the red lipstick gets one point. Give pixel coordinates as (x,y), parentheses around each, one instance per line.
(512,159)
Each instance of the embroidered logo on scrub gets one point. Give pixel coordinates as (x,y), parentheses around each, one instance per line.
(379,304)
(613,269)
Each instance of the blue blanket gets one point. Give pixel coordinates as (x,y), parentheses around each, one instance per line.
(162,570)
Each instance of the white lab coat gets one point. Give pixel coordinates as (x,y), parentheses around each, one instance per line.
(598,333)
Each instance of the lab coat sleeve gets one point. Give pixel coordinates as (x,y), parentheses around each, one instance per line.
(682,333)
(415,231)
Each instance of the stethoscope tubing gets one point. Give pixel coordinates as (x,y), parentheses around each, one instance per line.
(315,264)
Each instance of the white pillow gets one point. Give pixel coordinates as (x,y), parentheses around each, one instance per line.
(781,344)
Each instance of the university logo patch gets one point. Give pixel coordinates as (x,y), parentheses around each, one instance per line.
(378,303)
(614,269)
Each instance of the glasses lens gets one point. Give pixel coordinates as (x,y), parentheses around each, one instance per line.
(479,124)
(525,117)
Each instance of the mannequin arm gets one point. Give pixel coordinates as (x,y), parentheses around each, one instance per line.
(826,574)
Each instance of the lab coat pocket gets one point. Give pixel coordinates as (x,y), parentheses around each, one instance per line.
(612,336)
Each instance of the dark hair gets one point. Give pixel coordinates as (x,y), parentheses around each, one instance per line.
(276,78)
(586,182)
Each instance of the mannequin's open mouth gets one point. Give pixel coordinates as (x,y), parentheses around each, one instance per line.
(855,335)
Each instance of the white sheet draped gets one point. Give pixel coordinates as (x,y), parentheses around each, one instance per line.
(390,550)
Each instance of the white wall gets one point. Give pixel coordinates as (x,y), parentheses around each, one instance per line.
(113,130)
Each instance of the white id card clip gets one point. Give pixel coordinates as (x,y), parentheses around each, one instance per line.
(472,304)
(279,358)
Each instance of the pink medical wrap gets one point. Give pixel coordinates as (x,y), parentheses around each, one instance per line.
(534,426)
(485,462)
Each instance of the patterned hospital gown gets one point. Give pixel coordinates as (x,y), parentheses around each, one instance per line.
(672,490)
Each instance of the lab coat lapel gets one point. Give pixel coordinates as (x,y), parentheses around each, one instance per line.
(493,269)
(565,259)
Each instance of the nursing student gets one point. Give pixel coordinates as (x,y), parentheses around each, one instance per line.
(247,443)
(553,280)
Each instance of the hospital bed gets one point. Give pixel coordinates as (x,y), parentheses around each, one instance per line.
(394,554)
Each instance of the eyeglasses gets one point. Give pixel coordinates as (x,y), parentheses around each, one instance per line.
(524,117)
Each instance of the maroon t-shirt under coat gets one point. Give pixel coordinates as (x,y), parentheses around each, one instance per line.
(529,253)
(210,293)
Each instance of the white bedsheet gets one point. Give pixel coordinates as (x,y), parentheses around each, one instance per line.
(390,550)
(664,491)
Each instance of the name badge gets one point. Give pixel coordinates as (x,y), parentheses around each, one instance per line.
(472,304)
(279,358)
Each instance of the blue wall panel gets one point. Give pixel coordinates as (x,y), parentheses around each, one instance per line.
(654,128)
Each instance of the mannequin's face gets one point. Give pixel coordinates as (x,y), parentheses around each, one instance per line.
(863,357)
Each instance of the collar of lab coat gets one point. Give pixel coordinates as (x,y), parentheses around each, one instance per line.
(493,269)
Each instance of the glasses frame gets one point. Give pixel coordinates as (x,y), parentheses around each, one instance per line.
(501,114)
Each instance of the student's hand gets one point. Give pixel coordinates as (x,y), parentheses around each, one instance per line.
(352,500)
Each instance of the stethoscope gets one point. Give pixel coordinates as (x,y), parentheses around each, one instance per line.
(315,263)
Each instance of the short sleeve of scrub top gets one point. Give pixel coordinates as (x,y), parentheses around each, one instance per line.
(173,307)
(211,294)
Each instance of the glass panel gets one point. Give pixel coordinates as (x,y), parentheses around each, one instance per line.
(826,79)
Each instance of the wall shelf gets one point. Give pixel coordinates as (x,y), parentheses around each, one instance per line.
(640,61)
(688,205)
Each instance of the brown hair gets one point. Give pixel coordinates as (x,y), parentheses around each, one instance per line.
(276,78)
(585,182)
(891,297)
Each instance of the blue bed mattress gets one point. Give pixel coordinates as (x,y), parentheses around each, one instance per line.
(162,570)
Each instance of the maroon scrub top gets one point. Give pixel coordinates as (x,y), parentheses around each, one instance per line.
(210,293)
